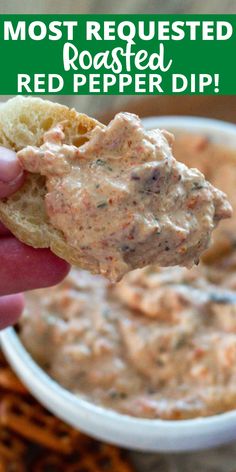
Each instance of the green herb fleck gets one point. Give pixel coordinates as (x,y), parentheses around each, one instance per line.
(114,394)
(102,205)
(197,186)
(106,313)
(100,162)
(180,343)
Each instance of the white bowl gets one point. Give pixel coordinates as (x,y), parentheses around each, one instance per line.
(123,430)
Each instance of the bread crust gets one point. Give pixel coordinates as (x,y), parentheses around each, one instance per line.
(23,122)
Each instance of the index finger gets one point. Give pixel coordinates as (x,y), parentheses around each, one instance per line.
(3,230)
(25,268)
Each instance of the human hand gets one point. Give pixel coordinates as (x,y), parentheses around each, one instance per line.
(21,267)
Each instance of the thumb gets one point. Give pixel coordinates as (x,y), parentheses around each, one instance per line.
(11,173)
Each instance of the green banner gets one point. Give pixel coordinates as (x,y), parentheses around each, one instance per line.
(118,54)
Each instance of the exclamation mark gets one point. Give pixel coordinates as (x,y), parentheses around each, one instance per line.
(216,78)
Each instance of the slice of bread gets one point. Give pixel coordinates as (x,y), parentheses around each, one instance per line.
(23,122)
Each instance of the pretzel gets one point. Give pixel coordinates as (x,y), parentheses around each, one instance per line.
(25,416)
(89,457)
(11,446)
(28,418)
(12,466)
(2,465)
(101,457)
(51,462)
(3,362)
(9,381)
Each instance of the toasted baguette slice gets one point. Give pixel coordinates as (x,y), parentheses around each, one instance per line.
(23,122)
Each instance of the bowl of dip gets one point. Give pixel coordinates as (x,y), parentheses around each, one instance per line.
(105,423)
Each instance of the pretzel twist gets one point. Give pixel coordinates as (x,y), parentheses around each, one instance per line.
(29,419)
(9,381)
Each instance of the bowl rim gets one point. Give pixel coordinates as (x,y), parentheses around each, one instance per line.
(26,366)
(10,337)
(191,122)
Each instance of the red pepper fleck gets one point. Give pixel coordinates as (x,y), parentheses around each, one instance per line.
(199,352)
(192,203)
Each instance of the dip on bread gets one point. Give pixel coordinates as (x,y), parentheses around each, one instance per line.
(123,200)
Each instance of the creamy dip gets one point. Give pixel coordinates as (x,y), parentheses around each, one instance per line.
(147,351)
(143,347)
(122,200)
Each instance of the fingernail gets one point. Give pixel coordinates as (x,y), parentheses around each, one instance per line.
(10,168)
